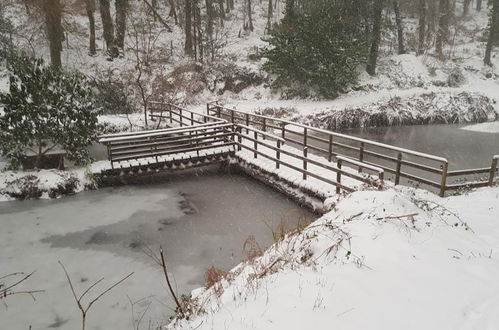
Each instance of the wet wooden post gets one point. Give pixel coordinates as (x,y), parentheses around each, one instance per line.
(305,163)
(181,116)
(219,111)
(232,116)
(239,132)
(264,126)
(170,112)
(443,183)
(305,137)
(330,151)
(361,155)
(255,145)
(192,118)
(283,130)
(205,118)
(399,166)
(247,122)
(493,169)
(278,154)
(338,175)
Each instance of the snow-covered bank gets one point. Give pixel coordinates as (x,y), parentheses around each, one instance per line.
(381,260)
(426,108)
(43,183)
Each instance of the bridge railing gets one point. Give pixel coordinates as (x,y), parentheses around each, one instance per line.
(261,143)
(172,113)
(391,159)
(158,143)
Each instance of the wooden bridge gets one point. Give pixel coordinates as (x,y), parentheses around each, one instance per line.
(196,139)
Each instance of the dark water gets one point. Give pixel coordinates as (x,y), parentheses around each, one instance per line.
(463,149)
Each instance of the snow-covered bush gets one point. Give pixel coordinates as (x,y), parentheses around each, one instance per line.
(45,108)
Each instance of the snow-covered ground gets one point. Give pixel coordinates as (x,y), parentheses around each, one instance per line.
(492,127)
(397,259)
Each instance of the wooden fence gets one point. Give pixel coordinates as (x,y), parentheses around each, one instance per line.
(260,139)
(162,142)
(424,168)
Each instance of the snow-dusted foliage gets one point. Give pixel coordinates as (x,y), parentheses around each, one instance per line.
(45,108)
(425,108)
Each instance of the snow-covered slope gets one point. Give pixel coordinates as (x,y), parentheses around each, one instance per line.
(382,260)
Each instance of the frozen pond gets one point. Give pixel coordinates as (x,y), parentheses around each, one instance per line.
(200,218)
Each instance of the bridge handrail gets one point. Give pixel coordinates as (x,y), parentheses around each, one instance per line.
(344,136)
(146,134)
(142,133)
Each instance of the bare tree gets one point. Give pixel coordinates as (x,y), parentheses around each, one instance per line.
(90,8)
(53,15)
(443,27)
(373,54)
(400,28)
(188,28)
(173,11)
(269,16)
(493,31)
(422,27)
(108,27)
(121,12)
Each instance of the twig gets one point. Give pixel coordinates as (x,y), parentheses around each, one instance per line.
(398,217)
(84,310)
(163,265)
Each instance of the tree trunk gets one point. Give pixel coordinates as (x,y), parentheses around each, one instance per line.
(373,54)
(173,11)
(466,7)
(478,5)
(121,10)
(188,28)
(221,11)
(250,16)
(107,25)
(90,7)
(53,12)
(209,18)
(443,27)
(400,28)
(493,31)
(422,27)
(269,16)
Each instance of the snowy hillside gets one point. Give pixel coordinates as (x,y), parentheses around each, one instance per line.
(390,260)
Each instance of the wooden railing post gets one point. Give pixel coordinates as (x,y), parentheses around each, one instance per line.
(278,154)
(443,183)
(247,122)
(361,155)
(283,130)
(255,144)
(170,112)
(493,169)
(305,163)
(192,118)
(305,133)
(232,116)
(181,116)
(219,111)
(338,176)
(239,138)
(399,166)
(330,150)
(264,126)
